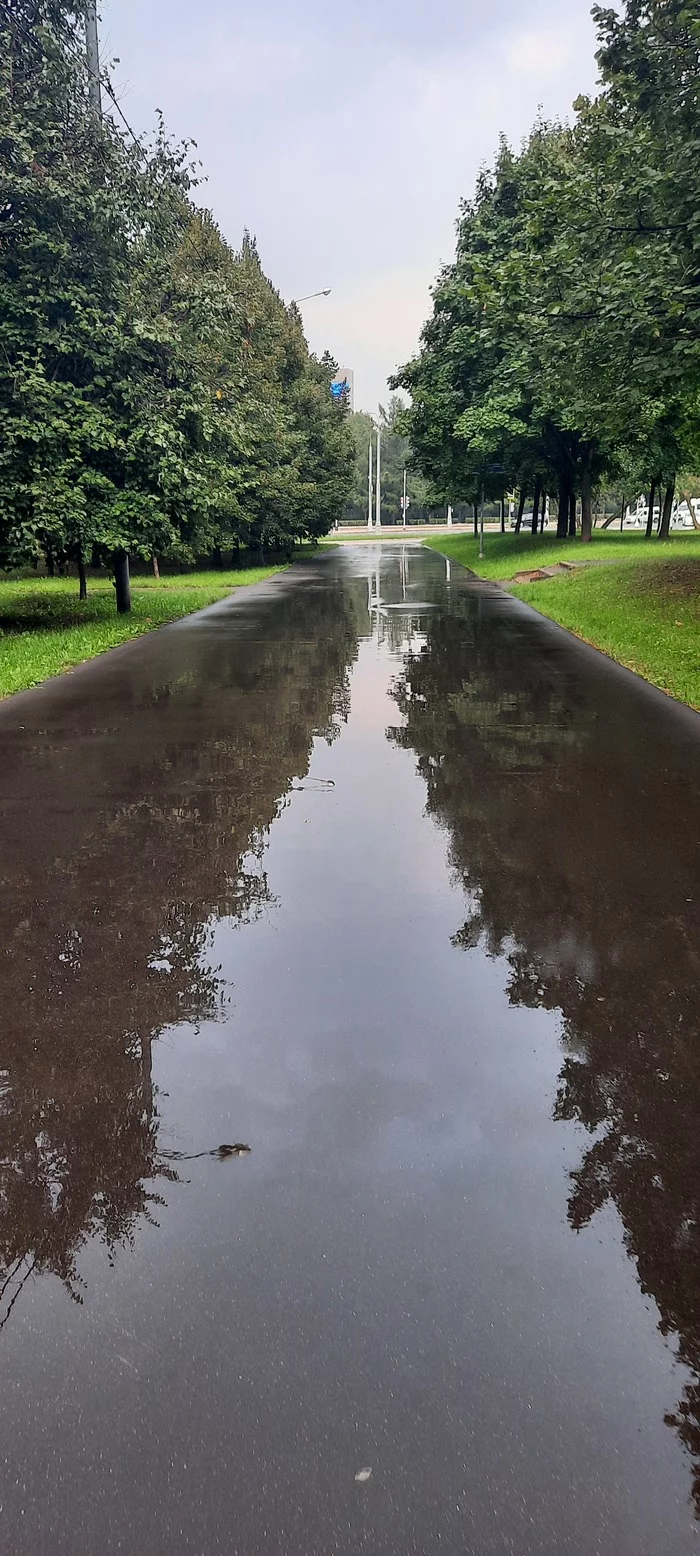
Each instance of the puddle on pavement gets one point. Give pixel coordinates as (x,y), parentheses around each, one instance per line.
(375,876)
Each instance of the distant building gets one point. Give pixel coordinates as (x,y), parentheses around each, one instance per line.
(343,386)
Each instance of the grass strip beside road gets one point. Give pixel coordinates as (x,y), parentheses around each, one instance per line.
(510,554)
(45,628)
(642,608)
(646,616)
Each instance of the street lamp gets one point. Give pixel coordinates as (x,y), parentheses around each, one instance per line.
(325,293)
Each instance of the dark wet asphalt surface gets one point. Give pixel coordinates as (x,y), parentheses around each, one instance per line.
(451,1005)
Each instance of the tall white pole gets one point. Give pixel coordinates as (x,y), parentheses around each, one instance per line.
(449,515)
(92,49)
(379,477)
(369,484)
(404,498)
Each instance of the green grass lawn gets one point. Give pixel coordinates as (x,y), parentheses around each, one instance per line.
(44,627)
(642,608)
(646,616)
(509,554)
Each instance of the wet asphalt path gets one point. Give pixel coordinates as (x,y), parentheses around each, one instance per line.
(377,873)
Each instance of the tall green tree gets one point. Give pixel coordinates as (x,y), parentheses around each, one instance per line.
(156,395)
(562,348)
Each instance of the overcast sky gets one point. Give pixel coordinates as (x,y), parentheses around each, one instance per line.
(344,135)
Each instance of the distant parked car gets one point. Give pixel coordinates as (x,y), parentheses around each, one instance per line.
(683,515)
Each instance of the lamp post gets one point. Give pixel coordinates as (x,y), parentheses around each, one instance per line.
(307,299)
(493,470)
(379,478)
(369,484)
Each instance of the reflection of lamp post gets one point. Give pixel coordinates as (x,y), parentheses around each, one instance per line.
(374,599)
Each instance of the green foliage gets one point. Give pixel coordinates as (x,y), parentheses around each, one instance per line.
(563,349)
(157,396)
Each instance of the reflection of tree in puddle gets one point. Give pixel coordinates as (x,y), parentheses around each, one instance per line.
(121,851)
(576,838)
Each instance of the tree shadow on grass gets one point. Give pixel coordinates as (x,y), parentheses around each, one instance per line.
(36,616)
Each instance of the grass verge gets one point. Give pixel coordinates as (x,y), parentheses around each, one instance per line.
(642,608)
(647,617)
(44,627)
(509,554)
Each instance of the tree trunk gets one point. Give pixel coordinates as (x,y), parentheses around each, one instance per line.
(536,506)
(218,559)
(687,498)
(120,563)
(156,569)
(572,515)
(563,514)
(665,525)
(503,515)
(543,512)
(650,514)
(476,518)
(586,499)
(521,510)
(82,576)
(50,564)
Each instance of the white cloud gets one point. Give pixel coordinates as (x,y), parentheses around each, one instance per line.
(206,71)
(438,136)
(347,148)
(371,325)
(542,54)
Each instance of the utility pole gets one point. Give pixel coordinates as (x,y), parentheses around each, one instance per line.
(92,49)
(404,497)
(379,477)
(120,557)
(369,483)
